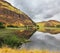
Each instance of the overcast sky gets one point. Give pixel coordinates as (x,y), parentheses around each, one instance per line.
(39,10)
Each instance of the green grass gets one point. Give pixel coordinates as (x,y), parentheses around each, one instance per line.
(6,32)
(9,37)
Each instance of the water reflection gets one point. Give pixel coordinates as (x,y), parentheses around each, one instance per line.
(25,33)
(41,40)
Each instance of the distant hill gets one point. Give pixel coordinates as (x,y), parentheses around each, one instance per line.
(13,16)
(51,26)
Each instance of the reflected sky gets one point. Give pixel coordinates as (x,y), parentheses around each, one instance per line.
(43,41)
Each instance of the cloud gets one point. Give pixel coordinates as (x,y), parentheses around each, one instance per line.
(55,17)
(38,10)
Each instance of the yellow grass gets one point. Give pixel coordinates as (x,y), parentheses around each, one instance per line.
(10,50)
(10,7)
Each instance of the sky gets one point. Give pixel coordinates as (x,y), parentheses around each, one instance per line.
(39,10)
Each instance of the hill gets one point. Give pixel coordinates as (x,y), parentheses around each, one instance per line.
(51,26)
(11,15)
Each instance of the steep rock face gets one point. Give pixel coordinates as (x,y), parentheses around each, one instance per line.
(12,15)
(51,26)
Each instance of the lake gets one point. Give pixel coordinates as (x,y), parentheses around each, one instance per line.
(40,40)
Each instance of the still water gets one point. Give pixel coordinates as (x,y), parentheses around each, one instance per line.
(40,40)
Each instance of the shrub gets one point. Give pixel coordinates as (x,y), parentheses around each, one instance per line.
(12,26)
(11,41)
(58,26)
(2,25)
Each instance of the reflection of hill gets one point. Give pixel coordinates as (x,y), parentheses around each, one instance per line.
(51,26)
(25,33)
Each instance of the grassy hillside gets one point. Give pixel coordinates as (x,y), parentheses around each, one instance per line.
(51,26)
(10,15)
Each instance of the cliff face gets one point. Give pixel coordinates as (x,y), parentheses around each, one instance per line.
(12,15)
(51,26)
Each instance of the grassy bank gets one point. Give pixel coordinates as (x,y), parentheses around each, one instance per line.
(8,37)
(10,50)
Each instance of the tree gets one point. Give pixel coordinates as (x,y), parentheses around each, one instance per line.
(12,26)
(2,25)
(58,26)
(37,27)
